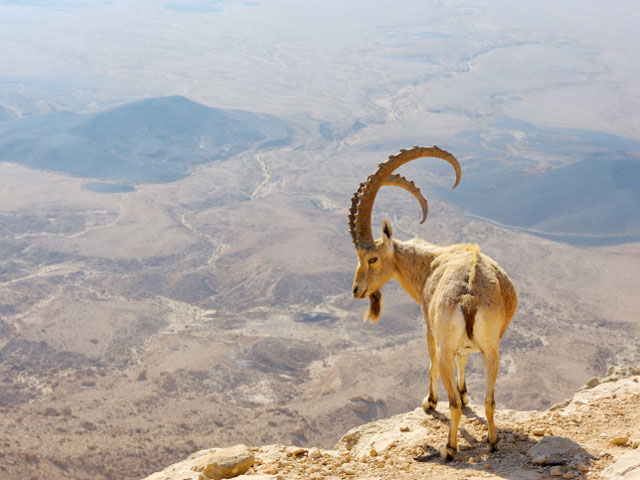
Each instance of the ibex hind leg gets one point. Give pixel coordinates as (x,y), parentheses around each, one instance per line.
(449,334)
(491,360)
(447,369)
(461,362)
(430,402)
(488,337)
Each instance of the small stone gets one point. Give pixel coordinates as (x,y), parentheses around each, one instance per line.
(544,475)
(270,470)
(539,460)
(296,451)
(511,439)
(583,468)
(487,466)
(314,452)
(569,475)
(538,432)
(373,452)
(348,469)
(404,428)
(619,440)
(556,471)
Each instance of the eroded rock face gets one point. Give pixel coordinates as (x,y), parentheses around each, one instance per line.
(225,463)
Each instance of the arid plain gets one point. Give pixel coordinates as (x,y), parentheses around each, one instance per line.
(139,327)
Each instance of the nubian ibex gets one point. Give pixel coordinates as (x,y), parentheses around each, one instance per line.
(467,300)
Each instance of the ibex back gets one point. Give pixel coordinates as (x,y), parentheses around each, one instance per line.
(466,298)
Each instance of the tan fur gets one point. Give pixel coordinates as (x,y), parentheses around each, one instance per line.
(467,301)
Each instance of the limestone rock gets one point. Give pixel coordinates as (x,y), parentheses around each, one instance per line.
(225,463)
(627,467)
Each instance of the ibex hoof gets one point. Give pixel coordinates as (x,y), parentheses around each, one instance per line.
(447,453)
(492,447)
(428,404)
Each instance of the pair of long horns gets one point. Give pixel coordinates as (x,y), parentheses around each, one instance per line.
(362,200)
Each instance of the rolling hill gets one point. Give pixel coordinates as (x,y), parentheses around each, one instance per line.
(149,141)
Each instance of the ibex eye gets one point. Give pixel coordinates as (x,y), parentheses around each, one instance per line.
(373,260)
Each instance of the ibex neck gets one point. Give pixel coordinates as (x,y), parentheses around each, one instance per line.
(413,265)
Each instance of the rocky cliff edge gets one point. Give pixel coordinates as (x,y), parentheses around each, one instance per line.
(595,434)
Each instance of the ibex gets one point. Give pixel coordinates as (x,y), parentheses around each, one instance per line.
(467,300)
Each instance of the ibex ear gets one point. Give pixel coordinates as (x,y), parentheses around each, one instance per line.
(387,232)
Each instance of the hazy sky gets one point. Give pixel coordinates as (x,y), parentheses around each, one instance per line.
(553,63)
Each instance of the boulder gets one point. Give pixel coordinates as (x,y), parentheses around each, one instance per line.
(225,463)
(554,451)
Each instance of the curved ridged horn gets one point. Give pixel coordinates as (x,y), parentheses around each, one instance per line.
(398,181)
(362,200)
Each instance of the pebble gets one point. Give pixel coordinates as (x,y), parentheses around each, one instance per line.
(348,469)
(569,475)
(314,452)
(373,452)
(538,432)
(583,468)
(404,428)
(556,471)
(619,440)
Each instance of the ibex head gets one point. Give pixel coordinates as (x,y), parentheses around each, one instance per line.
(375,257)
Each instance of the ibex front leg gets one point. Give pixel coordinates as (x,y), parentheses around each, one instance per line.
(431,400)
